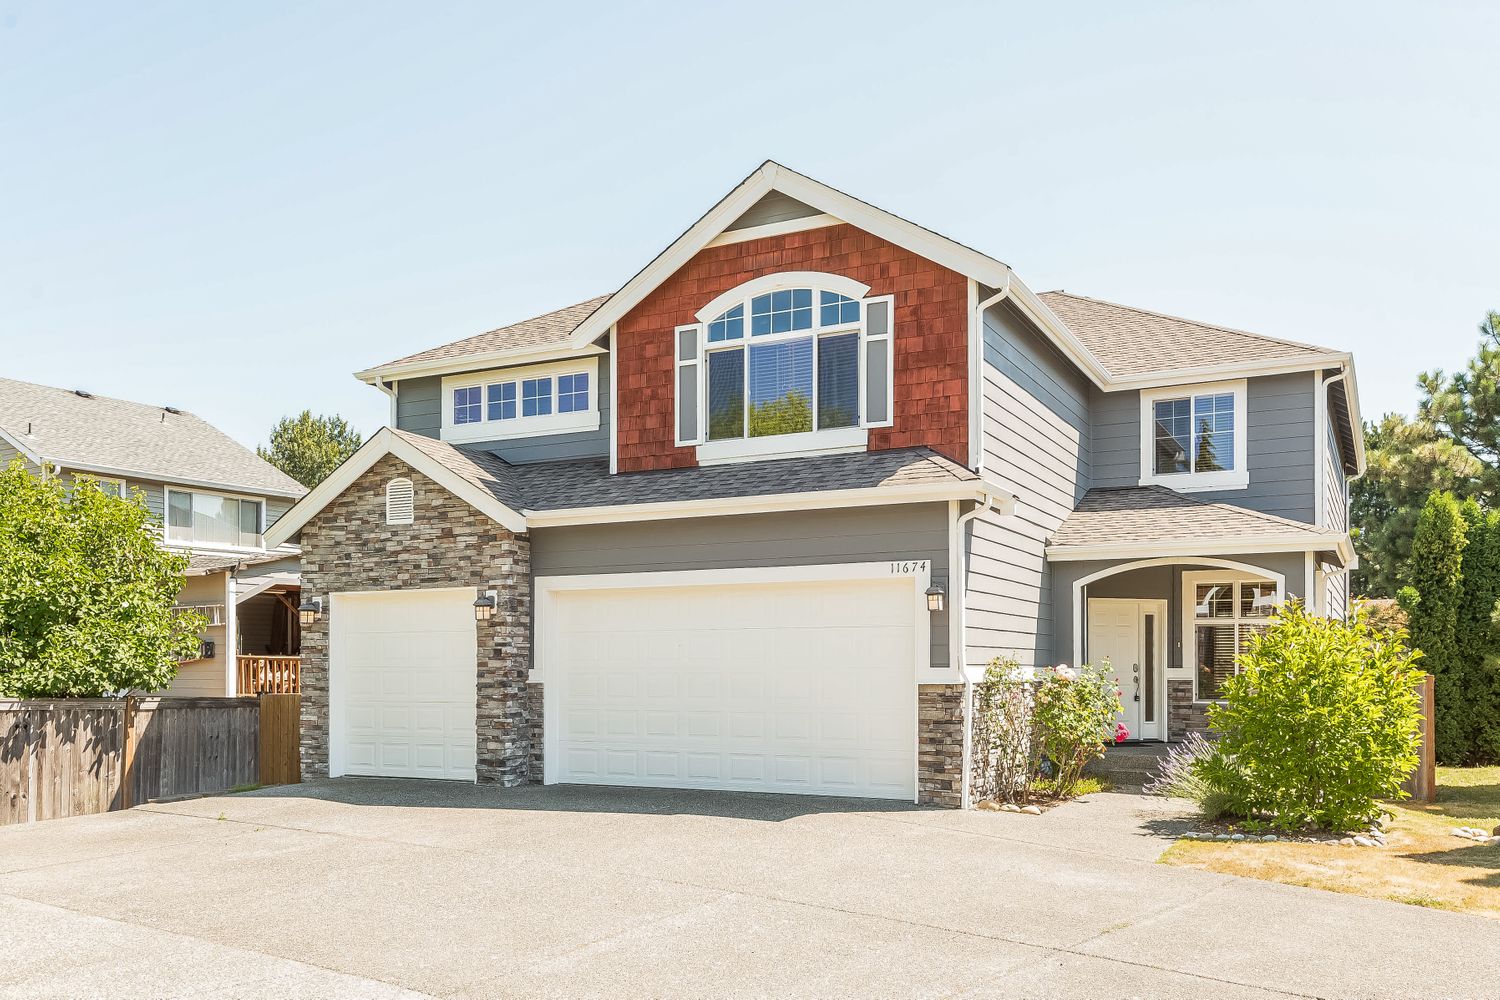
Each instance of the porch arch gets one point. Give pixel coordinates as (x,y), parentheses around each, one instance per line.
(1080,610)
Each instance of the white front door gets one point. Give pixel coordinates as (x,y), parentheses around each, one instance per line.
(776,687)
(1129,635)
(402,684)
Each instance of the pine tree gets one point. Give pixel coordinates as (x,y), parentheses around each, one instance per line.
(1431,597)
(1478,637)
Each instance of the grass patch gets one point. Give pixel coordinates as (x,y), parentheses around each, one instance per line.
(245,788)
(1423,864)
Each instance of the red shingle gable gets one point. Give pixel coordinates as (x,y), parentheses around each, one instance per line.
(930,325)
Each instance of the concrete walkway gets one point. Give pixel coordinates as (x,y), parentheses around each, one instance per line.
(370,888)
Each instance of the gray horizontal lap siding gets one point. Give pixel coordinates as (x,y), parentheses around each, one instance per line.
(1335,484)
(419,410)
(1036,437)
(792,538)
(155,494)
(774,207)
(1280,445)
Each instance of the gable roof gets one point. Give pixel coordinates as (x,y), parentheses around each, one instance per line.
(1134,342)
(549,331)
(584,491)
(97,434)
(1159,521)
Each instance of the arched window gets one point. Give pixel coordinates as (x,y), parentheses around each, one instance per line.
(399,502)
(778,357)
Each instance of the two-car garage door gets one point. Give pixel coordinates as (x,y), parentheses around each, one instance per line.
(781,687)
(777,686)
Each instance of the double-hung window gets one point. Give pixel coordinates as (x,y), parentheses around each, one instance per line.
(801,367)
(1194,437)
(195,518)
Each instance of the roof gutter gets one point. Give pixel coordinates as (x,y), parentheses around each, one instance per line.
(1291,542)
(470,362)
(170,480)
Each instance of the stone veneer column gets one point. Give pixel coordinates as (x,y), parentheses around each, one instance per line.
(349,547)
(1183,714)
(940,744)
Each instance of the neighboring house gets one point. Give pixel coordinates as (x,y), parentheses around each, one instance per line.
(214,498)
(757,520)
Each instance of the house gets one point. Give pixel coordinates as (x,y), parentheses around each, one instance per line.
(214,498)
(759,518)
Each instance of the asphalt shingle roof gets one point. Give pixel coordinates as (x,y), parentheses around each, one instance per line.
(1128,341)
(548,330)
(1157,514)
(140,440)
(557,486)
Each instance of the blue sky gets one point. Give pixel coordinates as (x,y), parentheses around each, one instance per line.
(231,207)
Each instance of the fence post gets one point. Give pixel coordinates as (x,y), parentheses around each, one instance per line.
(127,754)
(1422,785)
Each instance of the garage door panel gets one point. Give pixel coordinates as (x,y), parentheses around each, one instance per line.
(404,678)
(803,687)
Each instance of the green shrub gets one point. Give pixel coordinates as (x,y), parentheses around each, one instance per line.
(1478,638)
(1075,717)
(1320,724)
(1431,599)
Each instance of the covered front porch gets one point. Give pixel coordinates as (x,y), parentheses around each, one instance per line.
(1166,589)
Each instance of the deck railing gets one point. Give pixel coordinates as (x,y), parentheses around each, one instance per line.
(270,675)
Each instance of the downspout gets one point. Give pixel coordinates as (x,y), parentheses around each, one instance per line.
(391,390)
(960,525)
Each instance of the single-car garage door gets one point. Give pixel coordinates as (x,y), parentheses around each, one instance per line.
(402,684)
(780,687)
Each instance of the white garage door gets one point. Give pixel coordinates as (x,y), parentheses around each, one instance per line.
(805,687)
(402,684)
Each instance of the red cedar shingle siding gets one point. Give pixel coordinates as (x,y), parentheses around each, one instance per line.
(931,327)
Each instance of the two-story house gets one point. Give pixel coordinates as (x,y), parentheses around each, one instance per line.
(212,497)
(758,519)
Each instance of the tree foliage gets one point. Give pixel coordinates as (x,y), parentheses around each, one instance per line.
(1319,725)
(788,414)
(86,592)
(1479,638)
(308,448)
(1432,598)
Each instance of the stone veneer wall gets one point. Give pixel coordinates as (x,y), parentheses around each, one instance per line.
(349,547)
(940,744)
(1183,714)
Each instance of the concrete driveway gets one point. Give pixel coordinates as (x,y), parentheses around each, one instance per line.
(375,888)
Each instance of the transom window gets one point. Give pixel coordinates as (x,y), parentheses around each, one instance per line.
(1225,614)
(521,404)
(786,361)
(210,519)
(1194,438)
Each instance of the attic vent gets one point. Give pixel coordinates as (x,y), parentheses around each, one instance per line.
(398,502)
(83,395)
(172,409)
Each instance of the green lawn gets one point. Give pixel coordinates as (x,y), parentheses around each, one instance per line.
(1424,864)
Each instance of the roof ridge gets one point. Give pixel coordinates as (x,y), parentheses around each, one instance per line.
(1194,322)
(88,394)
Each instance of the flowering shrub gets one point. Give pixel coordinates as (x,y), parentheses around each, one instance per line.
(1044,724)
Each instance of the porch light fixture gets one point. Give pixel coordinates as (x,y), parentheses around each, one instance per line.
(934,598)
(484,606)
(310,610)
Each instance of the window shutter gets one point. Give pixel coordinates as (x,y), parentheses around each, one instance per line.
(878,361)
(688,431)
(399,502)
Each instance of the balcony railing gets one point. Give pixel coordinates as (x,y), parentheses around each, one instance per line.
(270,675)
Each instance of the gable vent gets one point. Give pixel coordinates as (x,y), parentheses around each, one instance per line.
(399,502)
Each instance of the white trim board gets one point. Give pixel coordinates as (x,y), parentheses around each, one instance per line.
(1290,542)
(387,442)
(732,236)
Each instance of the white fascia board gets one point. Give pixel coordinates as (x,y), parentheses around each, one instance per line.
(475,362)
(387,443)
(1237,370)
(823,499)
(1298,542)
(1356,419)
(138,475)
(30,454)
(1034,309)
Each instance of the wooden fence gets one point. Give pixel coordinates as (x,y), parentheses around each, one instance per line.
(75,757)
(270,675)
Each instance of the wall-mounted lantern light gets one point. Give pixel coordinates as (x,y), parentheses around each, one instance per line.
(934,598)
(310,610)
(484,606)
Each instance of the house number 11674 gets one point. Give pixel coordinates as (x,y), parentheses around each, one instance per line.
(907,568)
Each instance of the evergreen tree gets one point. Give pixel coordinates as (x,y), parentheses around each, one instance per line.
(1431,597)
(1478,637)
(308,448)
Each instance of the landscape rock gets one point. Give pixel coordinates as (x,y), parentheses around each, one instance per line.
(1032,810)
(1269,838)
(1222,836)
(1346,841)
(1237,837)
(1010,807)
(1364,841)
(989,805)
